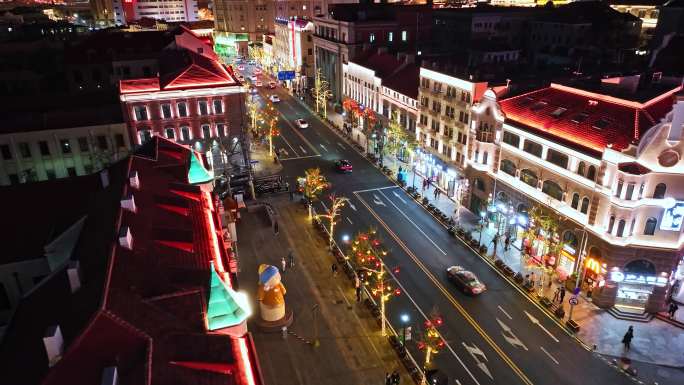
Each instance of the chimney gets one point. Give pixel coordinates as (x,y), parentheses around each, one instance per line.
(104,177)
(134,180)
(54,344)
(128,203)
(74,274)
(125,237)
(110,376)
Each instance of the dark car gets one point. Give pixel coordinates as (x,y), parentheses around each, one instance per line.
(465,280)
(343,165)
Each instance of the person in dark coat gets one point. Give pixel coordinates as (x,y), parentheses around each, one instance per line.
(395,377)
(627,339)
(562,294)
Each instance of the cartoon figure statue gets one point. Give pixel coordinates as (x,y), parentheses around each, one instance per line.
(271,294)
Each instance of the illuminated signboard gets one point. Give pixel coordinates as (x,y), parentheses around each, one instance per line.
(617,276)
(672,217)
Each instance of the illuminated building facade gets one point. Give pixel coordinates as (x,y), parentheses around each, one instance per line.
(195,100)
(238,22)
(610,169)
(293,50)
(126,11)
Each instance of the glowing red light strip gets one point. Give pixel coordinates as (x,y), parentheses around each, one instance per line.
(214,240)
(246,363)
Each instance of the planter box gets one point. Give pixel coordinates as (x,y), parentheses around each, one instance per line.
(572,325)
(545,302)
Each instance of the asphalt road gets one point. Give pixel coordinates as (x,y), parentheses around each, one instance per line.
(499,337)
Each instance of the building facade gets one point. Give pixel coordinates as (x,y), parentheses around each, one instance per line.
(123,12)
(65,144)
(606,167)
(238,22)
(445,103)
(306,9)
(293,51)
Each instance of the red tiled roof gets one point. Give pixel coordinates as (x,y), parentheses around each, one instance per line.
(588,120)
(142,310)
(405,81)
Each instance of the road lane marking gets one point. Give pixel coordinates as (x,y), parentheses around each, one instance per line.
(536,322)
(375,189)
(300,157)
(509,336)
(378,201)
(422,313)
(448,296)
(341,145)
(325,207)
(550,356)
(413,223)
(304,139)
(475,352)
(504,311)
(399,197)
(350,221)
(288,144)
(323,147)
(302,148)
(351,205)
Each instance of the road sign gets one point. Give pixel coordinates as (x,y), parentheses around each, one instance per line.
(286,75)
(408,333)
(573,300)
(576,291)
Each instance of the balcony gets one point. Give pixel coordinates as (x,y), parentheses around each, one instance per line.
(433,112)
(448,118)
(448,98)
(435,92)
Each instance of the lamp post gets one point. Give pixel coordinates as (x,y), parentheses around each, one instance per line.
(404,321)
(580,269)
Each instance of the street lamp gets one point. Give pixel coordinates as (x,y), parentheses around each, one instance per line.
(581,268)
(404,321)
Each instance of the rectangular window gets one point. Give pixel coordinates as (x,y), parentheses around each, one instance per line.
(206,131)
(170,134)
(166,111)
(203,107)
(44,148)
(6,152)
(512,139)
(390,37)
(140,112)
(218,106)
(630,191)
(182,110)
(25,150)
(83,144)
(65,145)
(185,133)
(557,158)
(119,141)
(71,171)
(145,135)
(533,148)
(102,142)
(404,35)
(221,128)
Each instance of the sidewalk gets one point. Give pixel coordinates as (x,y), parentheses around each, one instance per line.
(656,342)
(351,350)
(262,163)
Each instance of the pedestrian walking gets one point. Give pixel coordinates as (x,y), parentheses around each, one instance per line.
(395,377)
(290,259)
(533,279)
(425,183)
(358,294)
(507,242)
(562,294)
(334,269)
(556,295)
(627,339)
(283,263)
(388,378)
(672,309)
(436,193)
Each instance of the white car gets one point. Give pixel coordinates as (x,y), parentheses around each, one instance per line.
(301,123)
(274,99)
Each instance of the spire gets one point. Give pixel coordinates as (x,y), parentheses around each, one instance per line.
(226,307)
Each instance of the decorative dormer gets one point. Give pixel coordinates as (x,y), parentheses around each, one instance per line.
(128,203)
(134,180)
(125,237)
(54,344)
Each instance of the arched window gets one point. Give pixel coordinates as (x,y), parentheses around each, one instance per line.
(529,177)
(575,201)
(650,227)
(581,168)
(659,192)
(570,239)
(479,184)
(508,167)
(611,223)
(585,205)
(621,228)
(552,189)
(591,173)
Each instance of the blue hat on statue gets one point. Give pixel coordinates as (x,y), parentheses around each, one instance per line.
(270,276)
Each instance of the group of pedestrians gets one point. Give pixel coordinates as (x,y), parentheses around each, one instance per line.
(392,378)
(289,262)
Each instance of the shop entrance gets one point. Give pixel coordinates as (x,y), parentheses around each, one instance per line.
(636,285)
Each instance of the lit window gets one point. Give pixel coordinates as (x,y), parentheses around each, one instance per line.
(390,37)
(65,145)
(404,35)
(371,37)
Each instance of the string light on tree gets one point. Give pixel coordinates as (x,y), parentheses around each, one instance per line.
(311,185)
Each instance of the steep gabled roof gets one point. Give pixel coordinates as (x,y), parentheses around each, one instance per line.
(589,120)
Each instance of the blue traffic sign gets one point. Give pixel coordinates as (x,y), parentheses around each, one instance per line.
(573,301)
(286,75)
(576,291)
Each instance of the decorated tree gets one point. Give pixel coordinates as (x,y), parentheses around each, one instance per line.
(312,185)
(430,340)
(321,93)
(367,254)
(336,205)
(541,239)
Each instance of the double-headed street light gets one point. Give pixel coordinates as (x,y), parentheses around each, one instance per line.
(404,322)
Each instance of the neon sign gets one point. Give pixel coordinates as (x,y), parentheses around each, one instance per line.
(617,276)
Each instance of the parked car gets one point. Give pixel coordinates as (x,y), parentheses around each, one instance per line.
(343,166)
(465,280)
(301,123)
(274,99)
(272,85)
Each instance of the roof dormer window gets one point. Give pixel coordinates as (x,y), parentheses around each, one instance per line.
(601,124)
(579,118)
(558,112)
(538,106)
